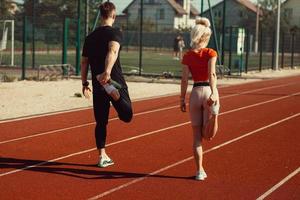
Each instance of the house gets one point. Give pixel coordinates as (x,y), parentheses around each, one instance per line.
(161,15)
(239,13)
(290,11)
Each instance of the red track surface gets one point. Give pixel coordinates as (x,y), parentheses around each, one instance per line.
(255,154)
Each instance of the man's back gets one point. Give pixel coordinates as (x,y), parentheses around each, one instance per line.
(96,49)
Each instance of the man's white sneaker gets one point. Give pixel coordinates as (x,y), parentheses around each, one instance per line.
(201,175)
(105,162)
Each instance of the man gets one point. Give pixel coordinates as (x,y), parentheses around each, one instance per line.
(101,51)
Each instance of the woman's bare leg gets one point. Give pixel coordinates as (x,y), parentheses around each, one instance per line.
(210,129)
(197,147)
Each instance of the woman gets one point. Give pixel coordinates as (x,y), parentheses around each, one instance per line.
(204,99)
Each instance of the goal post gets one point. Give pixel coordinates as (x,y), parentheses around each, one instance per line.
(7,34)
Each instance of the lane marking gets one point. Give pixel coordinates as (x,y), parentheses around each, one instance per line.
(189,158)
(117,142)
(137,114)
(275,187)
(84,125)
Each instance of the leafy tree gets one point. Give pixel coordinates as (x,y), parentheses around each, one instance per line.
(4,7)
(269,17)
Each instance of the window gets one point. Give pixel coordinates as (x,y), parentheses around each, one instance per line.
(288,13)
(162,14)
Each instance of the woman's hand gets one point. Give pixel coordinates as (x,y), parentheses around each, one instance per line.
(182,105)
(212,99)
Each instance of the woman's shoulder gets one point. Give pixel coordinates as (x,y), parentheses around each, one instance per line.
(211,52)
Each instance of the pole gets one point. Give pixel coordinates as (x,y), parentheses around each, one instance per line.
(256,29)
(223,32)
(65,41)
(214,30)
(33,34)
(97,18)
(293,50)
(87,10)
(78,38)
(141,38)
(282,50)
(24,46)
(12,42)
(202,9)
(277,36)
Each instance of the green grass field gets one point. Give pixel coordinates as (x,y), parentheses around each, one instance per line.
(152,62)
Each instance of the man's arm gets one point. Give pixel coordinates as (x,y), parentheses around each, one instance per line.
(84,69)
(84,72)
(111,57)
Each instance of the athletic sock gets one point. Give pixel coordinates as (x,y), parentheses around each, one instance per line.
(109,88)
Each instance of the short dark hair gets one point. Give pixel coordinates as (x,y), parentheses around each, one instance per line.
(106,9)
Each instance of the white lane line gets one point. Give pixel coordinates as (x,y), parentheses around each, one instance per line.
(83,125)
(275,187)
(117,142)
(137,114)
(188,159)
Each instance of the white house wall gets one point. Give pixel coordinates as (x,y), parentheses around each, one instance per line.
(294,5)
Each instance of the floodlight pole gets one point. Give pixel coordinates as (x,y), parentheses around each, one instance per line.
(257,28)
(141,38)
(277,37)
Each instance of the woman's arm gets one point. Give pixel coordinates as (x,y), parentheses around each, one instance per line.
(184,85)
(212,79)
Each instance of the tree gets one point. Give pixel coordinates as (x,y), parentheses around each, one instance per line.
(4,9)
(269,17)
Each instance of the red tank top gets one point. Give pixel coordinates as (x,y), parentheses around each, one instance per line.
(198,63)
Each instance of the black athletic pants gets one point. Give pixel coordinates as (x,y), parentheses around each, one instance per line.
(101,101)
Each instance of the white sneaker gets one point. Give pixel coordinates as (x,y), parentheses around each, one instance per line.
(105,162)
(201,175)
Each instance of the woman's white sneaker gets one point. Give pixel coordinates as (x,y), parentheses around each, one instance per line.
(201,175)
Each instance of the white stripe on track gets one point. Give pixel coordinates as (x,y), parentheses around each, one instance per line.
(83,125)
(120,141)
(189,158)
(275,187)
(137,114)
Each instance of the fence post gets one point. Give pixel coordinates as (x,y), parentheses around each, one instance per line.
(282,50)
(273,51)
(293,50)
(230,49)
(78,38)
(65,40)
(24,46)
(260,49)
(247,49)
(33,34)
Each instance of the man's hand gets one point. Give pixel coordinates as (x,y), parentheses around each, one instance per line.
(103,78)
(86,91)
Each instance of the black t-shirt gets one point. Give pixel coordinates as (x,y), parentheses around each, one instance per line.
(96,48)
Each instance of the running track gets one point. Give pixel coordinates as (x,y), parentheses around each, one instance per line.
(254,156)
